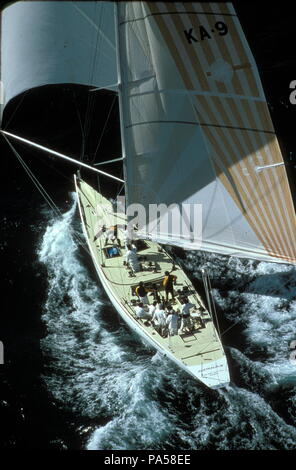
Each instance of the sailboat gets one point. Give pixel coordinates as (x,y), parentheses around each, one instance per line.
(198,147)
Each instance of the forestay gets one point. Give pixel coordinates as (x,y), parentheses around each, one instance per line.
(197,126)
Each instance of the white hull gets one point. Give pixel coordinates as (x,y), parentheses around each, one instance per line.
(213,375)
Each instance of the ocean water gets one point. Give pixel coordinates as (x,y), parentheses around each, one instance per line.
(75,377)
(119,394)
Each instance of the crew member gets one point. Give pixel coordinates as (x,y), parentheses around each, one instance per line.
(141,292)
(152,308)
(100,232)
(142,312)
(172,322)
(132,259)
(185,314)
(112,235)
(168,282)
(159,319)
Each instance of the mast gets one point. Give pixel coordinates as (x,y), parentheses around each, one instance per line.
(121,82)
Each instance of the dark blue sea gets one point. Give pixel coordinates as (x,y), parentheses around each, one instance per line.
(75,377)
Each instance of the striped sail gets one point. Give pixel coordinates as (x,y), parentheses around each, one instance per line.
(197,127)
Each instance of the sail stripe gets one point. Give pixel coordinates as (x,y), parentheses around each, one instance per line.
(169,40)
(248,216)
(226,8)
(274,227)
(207,50)
(221,49)
(261,110)
(257,222)
(229,160)
(246,136)
(242,49)
(241,146)
(249,78)
(255,215)
(267,220)
(279,176)
(198,61)
(227,99)
(238,90)
(255,117)
(190,60)
(238,55)
(264,176)
(175,11)
(272,154)
(264,214)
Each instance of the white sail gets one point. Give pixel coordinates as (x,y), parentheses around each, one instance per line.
(197,127)
(49,42)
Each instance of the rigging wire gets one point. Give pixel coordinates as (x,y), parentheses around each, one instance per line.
(273,291)
(45,194)
(40,188)
(14,112)
(82,151)
(105,125)
(122,187)
(209,295)
(91,96)
(213,304)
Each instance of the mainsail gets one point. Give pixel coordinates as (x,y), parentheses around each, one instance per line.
(196,126)
(198,131)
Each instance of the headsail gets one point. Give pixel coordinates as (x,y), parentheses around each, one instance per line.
(197,127)
(57,42)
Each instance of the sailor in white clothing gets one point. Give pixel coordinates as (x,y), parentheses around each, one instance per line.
(172,323)
(132,258)
(185,310)
(142,312)
(112,235)
(185,314)
(128,236)
(152,308)
(159,319)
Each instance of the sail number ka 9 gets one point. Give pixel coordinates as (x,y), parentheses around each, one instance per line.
(195,36)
